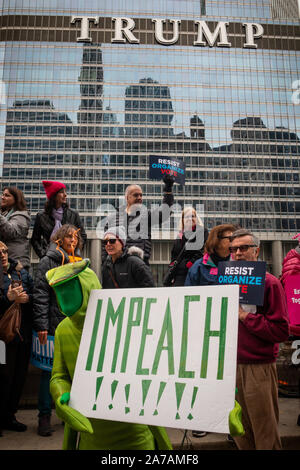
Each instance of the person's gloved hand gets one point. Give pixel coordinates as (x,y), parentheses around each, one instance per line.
(72,417)
(169,181)
(236,427)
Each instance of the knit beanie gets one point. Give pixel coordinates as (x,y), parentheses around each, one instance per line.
(52,187)
(118,232)
(297,237)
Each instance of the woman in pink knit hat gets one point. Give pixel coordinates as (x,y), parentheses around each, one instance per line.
(55,214)
(290,279)
(291,276)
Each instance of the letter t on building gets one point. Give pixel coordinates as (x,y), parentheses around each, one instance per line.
(85,26)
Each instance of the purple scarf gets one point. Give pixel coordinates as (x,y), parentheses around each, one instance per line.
(57,215)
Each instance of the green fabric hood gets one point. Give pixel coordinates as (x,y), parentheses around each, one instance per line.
(72,284)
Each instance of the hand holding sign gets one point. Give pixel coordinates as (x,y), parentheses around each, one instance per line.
(249,275)
(169,180)
(72,417)
(161,166)
(242,314)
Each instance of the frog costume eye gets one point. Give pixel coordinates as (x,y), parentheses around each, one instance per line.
(67,286)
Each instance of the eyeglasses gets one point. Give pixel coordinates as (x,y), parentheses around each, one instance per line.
(3,252)
(111,241)
(242,248)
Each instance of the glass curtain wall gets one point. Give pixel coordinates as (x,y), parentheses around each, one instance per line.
(90,114)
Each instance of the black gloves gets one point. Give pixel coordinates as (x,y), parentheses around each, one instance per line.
(169,181)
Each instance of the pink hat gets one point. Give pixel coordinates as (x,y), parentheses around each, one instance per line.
(52,187)
(297,237)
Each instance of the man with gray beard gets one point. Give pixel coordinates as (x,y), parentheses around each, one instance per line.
(138,220)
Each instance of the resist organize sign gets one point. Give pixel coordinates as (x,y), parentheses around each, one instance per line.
(159,356)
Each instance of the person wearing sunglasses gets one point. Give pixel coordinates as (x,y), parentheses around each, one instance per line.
(204,271)
(123,267)
(17,287)
(260,331)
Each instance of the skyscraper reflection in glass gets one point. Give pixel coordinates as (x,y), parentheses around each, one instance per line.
(89,110)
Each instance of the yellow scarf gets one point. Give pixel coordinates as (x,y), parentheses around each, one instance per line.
(73,259)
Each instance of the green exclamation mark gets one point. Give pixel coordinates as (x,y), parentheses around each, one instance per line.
(113,391)
(195,391)
(127,391)
(160,392)
(179,392)
(145,386)
(98,385)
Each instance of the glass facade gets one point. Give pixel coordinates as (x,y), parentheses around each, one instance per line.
(90,113)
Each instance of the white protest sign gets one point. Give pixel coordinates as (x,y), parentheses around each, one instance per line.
(159,356)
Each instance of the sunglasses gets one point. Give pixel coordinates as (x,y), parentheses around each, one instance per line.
(242,248)
(111,241)
(3,252)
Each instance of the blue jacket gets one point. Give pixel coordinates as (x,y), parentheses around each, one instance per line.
(203,273)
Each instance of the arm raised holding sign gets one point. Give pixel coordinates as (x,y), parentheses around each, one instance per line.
(137,220)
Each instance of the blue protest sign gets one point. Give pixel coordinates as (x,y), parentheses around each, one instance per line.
(249,275)
(42,355)
(160,166)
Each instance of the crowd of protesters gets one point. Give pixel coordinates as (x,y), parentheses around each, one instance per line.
(58,237)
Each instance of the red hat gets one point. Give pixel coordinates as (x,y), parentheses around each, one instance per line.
(52,187)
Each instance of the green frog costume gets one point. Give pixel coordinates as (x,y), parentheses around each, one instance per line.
(73,283)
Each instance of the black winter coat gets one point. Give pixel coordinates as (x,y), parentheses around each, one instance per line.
(26,309)
(46,314)
(44,225)
(189,256)
(141,223)
(128,271)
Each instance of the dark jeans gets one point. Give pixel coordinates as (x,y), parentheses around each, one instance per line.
(12,378)
(45,399)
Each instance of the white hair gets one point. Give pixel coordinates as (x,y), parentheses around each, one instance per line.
(128,189)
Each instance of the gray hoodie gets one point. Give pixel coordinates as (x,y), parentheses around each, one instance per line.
(13,232)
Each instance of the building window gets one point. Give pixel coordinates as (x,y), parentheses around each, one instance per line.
(202,7)
(285,9)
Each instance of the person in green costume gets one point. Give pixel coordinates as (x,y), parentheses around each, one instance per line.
(72,284)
